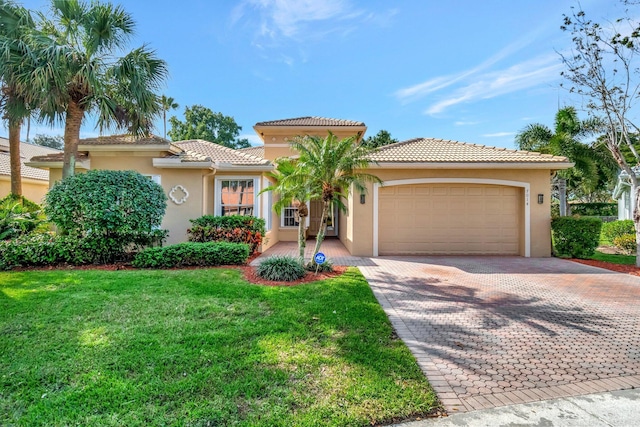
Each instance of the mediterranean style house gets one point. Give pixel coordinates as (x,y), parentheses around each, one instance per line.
(35,182)
(437,196)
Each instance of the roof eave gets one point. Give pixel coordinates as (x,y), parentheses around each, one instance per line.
(165,163)
(58,164)
(225,167)
(472,165)
(124,147)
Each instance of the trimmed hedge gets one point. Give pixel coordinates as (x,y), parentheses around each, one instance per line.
(281,268)
(40,250)
(575,237)
(193,254)
(233,229)
(594,209)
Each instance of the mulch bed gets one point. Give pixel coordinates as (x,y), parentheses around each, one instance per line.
(620,268)
(249,272)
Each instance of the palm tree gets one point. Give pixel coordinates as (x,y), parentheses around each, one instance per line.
(292,192)
(167,103)
(565,140)
(15,25)
(330,167)
(78,71)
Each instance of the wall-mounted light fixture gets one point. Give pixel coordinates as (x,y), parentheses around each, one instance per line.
(540,199)
(362,199)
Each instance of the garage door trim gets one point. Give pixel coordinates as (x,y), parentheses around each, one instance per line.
(525,185)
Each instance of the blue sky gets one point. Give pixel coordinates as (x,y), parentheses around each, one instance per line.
(467,70)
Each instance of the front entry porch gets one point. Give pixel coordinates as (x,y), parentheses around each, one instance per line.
(333,249)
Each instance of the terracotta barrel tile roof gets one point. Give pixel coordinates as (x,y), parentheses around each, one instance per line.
(203,150)
(27,151)
(310,121)
(58,157)
(257,151)
(431,150)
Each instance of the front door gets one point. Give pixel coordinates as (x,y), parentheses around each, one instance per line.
(315,216)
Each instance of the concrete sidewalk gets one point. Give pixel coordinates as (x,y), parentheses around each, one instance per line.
(617,408)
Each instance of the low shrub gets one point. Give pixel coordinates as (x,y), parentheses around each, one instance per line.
(612,230)
(40,250)
(193,254)
(575,237)
(233,229)
(626,243)
(281,268)
(20,216)
(325,267)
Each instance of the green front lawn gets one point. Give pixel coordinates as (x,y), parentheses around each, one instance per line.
(199,348)
(615,259)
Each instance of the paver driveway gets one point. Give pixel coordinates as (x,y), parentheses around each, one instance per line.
(493,331)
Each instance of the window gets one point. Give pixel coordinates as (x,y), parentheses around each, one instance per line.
(289,215)
(237,197)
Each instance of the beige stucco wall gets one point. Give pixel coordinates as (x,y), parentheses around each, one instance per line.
(361,230)
(32,189)
(277,139)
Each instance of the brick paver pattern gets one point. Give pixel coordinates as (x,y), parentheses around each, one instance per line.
(494,331)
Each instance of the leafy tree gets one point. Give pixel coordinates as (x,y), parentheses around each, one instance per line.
(291,192)
(78,70)
(602,67)
(202,123)
(591,171)
(381,139)
(56,142)
(16,24)
(110,209)
(167,103)
(329,167)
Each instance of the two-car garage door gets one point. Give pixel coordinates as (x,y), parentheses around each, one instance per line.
(449,219)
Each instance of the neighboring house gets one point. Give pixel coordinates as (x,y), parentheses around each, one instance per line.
(438,197)
(622,193)
(35,182)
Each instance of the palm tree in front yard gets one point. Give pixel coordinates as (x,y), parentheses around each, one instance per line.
(331,168)
(16,26)
(292,193)
(79,70)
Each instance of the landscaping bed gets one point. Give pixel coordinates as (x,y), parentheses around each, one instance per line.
(620,268)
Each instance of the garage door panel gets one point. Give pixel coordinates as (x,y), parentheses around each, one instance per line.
(449,219)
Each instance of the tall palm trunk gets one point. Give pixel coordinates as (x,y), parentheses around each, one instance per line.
(71,138)
(14,159)
(326,207)
(164,119)
(302,238)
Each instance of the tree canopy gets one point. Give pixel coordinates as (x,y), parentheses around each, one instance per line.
(78,67)
(202,123)
(380,139)
(56,142)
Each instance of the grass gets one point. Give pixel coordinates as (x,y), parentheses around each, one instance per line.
(199,348)
(615,259)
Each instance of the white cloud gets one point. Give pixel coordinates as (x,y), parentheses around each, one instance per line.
(252,137)
(465,123)
(293,18)
(498,134)
(521,76)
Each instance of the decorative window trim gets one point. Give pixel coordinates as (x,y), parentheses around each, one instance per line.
(257,208)
(173,198)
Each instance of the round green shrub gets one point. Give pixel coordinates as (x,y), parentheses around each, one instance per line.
(114,210)
(575,237)
(281,268)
